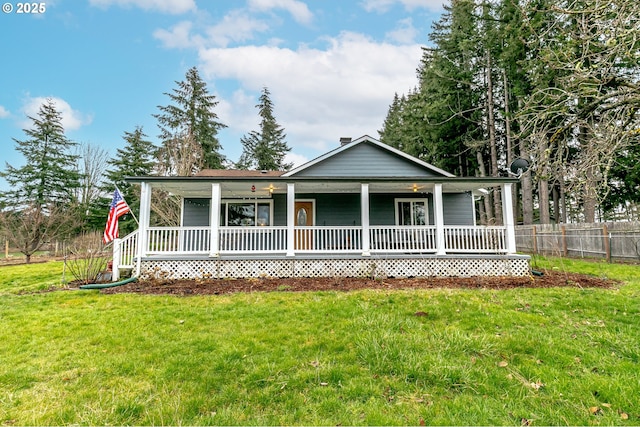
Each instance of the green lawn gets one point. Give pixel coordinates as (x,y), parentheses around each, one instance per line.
(512,357)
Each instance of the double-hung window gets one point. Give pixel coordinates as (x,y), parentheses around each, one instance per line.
(411,212)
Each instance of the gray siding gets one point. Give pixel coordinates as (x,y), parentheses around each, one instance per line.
(344,209)
(458,209)
(366,160)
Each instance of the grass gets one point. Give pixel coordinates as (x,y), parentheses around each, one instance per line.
(522,356)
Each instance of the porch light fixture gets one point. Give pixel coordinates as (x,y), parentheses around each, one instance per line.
(415,188)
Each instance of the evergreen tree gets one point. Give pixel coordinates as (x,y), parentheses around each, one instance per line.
(265,149)
(135,159)
(49,174)
(392,129)
(40,205)
(189,129)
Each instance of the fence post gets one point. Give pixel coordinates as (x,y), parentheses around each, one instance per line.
(607,242)
(564,240)
(535,239)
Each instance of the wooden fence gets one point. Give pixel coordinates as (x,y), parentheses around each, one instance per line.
(618,241)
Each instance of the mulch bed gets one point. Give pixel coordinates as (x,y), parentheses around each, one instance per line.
(549,279)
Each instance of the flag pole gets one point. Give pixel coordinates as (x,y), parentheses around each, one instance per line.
(130,210)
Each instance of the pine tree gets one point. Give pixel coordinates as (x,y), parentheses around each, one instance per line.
(267,148)
(40,205)
(137,158)
(189,129)
(49,174)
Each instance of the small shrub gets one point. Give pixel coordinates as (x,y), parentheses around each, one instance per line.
(85,258)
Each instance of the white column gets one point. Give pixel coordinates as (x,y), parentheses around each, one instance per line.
(507,218)
(364,208)
(291,220)
(214,220)
(439,219)
(115,265)
(145,213)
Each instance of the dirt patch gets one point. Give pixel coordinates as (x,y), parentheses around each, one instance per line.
(228,286)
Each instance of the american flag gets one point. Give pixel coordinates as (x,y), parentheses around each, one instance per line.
(118,208)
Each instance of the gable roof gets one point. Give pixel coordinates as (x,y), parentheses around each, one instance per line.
(364,140)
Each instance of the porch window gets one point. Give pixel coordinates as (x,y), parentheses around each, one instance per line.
(242,213)
(411,212)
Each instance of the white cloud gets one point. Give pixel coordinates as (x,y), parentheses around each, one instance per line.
(178,37)
(319,95)
(296,159)
(4,112)
(406,33)
(237,26)
(298,10)
(71,119)
(173,7)
(382,6)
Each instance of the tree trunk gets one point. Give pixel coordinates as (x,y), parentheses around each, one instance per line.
(510,156)
(489,216)
(491,123)
(543,196)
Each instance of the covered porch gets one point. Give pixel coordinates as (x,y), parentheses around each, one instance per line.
(312,226)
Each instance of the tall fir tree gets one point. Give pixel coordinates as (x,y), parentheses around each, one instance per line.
(137,158)
(40,205)
(189,129)
(267,148)
(49,173)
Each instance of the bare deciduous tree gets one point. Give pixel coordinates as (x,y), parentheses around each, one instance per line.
(577,125)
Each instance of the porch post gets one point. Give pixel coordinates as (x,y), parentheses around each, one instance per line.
(291,213)
(439,219)
(507,218)
(115,265)
(214,220)
(364,208)
(145,212)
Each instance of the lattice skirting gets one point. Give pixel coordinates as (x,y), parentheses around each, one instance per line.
(342,267)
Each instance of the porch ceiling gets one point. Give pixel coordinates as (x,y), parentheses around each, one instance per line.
(252,187)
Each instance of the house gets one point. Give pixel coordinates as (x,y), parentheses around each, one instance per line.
(362,209)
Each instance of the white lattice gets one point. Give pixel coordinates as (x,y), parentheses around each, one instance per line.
(343,267)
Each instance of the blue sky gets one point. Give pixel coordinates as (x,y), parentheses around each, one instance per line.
(332,66)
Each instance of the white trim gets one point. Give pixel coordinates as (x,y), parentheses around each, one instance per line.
(214,219)
(507,218)
(367,138)
(364,213)
(291,212)
(145,212)
(412,200)
(438,212)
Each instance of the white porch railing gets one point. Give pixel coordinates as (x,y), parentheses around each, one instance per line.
(325,239)
(253,239)
(404,239)
(470,239)
(178,240)
(124,253)
(328,239)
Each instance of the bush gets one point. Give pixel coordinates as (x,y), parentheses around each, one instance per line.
(85,258)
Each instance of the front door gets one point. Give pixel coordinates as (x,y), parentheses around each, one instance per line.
(304,218)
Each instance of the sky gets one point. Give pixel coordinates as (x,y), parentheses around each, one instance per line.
(332,66)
